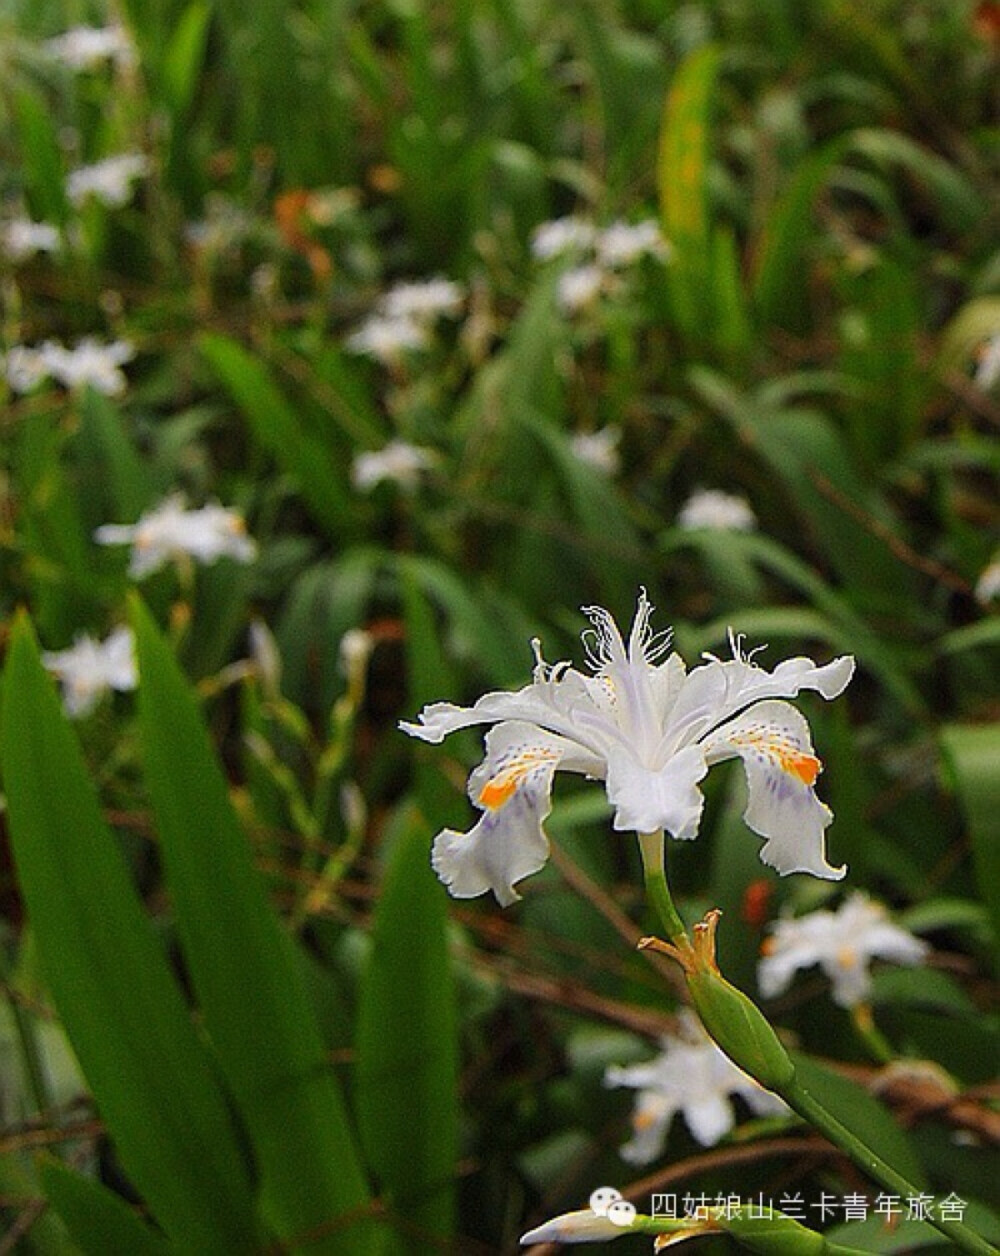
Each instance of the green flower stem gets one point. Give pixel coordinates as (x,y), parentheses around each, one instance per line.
(657,891)
(871,1036)
(740,1028)
(808,1106)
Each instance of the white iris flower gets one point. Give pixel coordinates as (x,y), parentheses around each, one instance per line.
(89,669)
(843,942)
(691,1076)
(109,181)
(170,532)
(650,730)
(398,461)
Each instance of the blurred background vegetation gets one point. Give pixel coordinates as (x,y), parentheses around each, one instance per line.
(818,337)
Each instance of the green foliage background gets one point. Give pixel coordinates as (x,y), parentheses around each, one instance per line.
(292,1040)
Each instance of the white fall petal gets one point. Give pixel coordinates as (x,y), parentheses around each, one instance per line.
(649,729)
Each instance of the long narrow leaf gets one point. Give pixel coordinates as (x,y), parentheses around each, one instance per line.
(974,754)
(406,1045)
(248,981)
(151,1078)
(683,184)
(278,430)
(99,1220)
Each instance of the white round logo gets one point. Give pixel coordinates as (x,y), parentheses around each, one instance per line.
(621,1212)
(602,1199)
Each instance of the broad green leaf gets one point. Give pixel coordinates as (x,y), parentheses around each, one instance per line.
(100,1221)
(248,981)
(878,1234)
(280,432)
(682,177)
(407,1044)
(862,1113)
(920,987)
(973,751)
(149,1073)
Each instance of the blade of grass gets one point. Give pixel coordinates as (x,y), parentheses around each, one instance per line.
(407,1044)
(280,432)
(682,176)
(99,1220)
(973,751)
(150,1075)
(248,980)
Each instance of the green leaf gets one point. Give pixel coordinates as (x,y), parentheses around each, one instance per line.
(248,981)
(150,1076)
(961,206)
(280,432)
(407,1044)
(973,751)
(124,479)
(862,1113)
(42,164)
(682,177)
(184,56)
(99,1220)
(19,1185)
(780,284)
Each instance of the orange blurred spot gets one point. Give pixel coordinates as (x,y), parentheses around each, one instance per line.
(293,218)
(986,21)
(385,179)
(756,903)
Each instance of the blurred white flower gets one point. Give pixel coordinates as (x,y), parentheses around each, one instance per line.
(624,243)
(387,339)
(170,531)
(398,461)
(422,301)
(988,363)
(23,238)
(89,362)
(90,668)
(109,181)
(711,508)
(25,368)
(988,584)
(562,235)
(691,1076)
(85,47)
(578,287)
(843,943)
(598,449)
(224,226)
